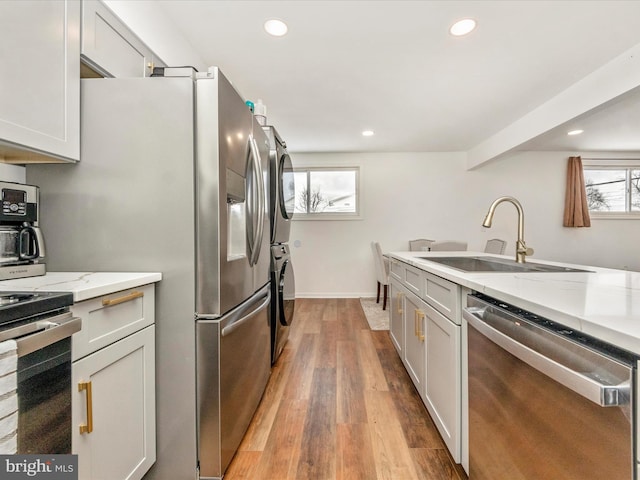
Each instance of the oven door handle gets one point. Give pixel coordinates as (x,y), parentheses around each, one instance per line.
(47,332)
(589,388)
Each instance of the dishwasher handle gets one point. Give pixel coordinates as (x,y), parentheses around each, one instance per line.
(589,388)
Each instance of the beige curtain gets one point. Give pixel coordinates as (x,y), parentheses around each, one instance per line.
(576,211)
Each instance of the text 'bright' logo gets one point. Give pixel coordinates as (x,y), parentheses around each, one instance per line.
(30,468)
(49,467)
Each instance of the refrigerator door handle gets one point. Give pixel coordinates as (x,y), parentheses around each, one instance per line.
(237,323)
(251,203)
(256,203)
(261,196)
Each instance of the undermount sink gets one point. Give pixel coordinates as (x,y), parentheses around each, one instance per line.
(491,264)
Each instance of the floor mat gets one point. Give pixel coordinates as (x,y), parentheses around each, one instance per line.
(377,318)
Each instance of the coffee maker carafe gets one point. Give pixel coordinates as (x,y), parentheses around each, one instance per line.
(22,248)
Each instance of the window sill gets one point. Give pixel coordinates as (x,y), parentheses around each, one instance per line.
(614,216)
(325,216)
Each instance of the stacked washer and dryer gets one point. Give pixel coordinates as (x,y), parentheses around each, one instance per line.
(282,203)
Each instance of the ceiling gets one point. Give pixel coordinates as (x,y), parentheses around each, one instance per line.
(392,67)
(612,127)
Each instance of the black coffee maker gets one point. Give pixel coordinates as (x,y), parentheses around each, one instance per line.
(22,248)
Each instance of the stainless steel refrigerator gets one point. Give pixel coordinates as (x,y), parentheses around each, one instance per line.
(172,179)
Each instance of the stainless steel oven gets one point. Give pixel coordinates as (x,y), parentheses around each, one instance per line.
(38,327)
(545,401)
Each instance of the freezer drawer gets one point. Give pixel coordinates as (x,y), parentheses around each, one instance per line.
(233,365)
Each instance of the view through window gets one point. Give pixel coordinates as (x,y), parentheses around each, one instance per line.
(327,192)
(613,189)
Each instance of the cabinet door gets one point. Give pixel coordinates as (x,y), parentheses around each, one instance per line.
(396,322)
(40,91)
(443,378)
(109,47)
(121,405)
(414,347)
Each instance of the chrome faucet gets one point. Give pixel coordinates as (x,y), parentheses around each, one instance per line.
(521,248)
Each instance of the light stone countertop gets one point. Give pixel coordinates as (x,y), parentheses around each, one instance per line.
(603,303)
(83,285)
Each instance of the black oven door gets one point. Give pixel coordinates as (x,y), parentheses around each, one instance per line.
(44,400)
(43,383)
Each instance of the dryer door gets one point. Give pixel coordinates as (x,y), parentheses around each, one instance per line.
(286,294)
(286,200)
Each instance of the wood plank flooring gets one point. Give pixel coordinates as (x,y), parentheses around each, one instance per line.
(340,405)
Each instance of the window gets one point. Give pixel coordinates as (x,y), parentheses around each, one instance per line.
(327,193)
(613,187)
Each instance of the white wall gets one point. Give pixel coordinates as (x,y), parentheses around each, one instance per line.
(432,195)
(403,196)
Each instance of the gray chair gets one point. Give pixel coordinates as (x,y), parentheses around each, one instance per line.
(495,245)
(382,273)
(420,245)
(448,245)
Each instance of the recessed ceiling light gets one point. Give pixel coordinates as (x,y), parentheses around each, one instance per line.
(276,27)
(367,133)
(462,27)
(575,132)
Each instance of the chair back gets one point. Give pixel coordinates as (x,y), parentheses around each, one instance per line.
(420,244)
(448,245)
(495,245)
(382,265)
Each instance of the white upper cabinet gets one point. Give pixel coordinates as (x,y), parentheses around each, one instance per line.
(39,80)
(110,48)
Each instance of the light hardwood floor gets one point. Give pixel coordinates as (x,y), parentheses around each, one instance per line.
(339,405)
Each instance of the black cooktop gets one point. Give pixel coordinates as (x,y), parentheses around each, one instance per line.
(22,305)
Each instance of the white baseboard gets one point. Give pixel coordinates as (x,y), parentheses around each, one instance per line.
(335,295)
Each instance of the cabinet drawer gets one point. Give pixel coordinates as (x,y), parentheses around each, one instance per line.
(397,268)
(109,318)
(413,280)
(442,295)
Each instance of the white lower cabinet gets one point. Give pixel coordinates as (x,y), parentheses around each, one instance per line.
(118,415)
(415,352)
(113,386)
(442,388)
(396,320)
(425,328)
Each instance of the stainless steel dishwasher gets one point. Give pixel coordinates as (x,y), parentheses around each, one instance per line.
(545,402)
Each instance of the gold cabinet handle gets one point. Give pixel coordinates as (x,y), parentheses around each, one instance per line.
(88,428)
(420,334)
(399,302)
(109,302)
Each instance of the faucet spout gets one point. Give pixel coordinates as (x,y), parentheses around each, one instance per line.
(521,248)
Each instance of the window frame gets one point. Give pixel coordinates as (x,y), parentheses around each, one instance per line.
(357,215)
(614,164)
